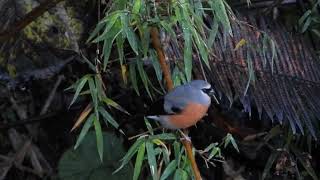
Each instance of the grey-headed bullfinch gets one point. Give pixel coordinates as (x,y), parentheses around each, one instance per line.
(185,105)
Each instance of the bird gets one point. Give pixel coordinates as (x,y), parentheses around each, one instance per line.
(184,106)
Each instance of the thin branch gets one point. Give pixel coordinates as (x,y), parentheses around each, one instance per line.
(167,76)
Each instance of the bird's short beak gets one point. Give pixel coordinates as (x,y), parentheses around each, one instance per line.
(212,93)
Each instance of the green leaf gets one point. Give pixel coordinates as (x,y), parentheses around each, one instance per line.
(139,160)
(84,162)
(131,152)
(133,40)
(81,84)
(215,151)
(99,137)
(133,77)
(95,31)
(306,165)
(152,160)
(180,175)
(100,91)
(304,17)
(143,76)
(213,33)
(112,103)
(136,6)
(107,117)
(149,127)
(120,42)
(93,92)
(106,33)
(306,25)
(169,170)
(274,53)
(84,130)
(187,51)
(269,163)
(219,10)
(156,66)
(164,136)
(168,29)
(202,48)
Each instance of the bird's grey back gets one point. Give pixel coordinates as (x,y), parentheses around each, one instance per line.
(182,95)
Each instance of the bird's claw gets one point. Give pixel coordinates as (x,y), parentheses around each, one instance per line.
(184,137)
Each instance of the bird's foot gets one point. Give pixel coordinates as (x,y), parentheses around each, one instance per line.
(184,137)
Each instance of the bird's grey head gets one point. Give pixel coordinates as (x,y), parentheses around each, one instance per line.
(205,87)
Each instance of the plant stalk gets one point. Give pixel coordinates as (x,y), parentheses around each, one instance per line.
(167,76)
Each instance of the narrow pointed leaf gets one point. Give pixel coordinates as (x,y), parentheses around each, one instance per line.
(169,170)
(139,160)
(152,160)
(99,137)
(107,117)
(84,130)
(82,116)
(131,152)
(79,88)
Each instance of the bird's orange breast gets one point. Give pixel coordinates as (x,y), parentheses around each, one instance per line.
(192,113)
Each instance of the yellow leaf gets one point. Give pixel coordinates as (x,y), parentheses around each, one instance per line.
(240,44)
(124,73)
(11,70)
(82,116)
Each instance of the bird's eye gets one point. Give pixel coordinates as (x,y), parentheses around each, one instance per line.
(206,90)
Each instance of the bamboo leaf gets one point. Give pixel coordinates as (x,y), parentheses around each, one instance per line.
(84,130)
(93,92)
(109,24)
(107,117)
(99,137)
(133,77)
(169,170)
(269,163)
(82,116)
(139,160)
(304,17)
(213,33)
(187,51)
(305,164)
(152,160)
(80,86)
(112,103)
(180,174)
(241,43)
(119,42)
(143,76)
(136,6)
(131,152)
(164,136)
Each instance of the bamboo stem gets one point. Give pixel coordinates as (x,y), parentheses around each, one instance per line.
(167,76)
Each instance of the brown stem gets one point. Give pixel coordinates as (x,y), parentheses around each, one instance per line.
(27,19)
(167,76)
(157,46)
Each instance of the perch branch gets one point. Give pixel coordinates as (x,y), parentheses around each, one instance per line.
(166,72)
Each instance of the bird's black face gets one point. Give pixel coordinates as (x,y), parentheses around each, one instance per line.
(210,92)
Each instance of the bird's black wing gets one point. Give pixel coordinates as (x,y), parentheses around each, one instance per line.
(157,108)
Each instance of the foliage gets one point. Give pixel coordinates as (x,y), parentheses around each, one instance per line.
(129,21)
(84,162)
(287,154)
(310,20)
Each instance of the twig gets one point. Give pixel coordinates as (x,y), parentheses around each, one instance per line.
(167,76)
(51,95)
(144,133)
